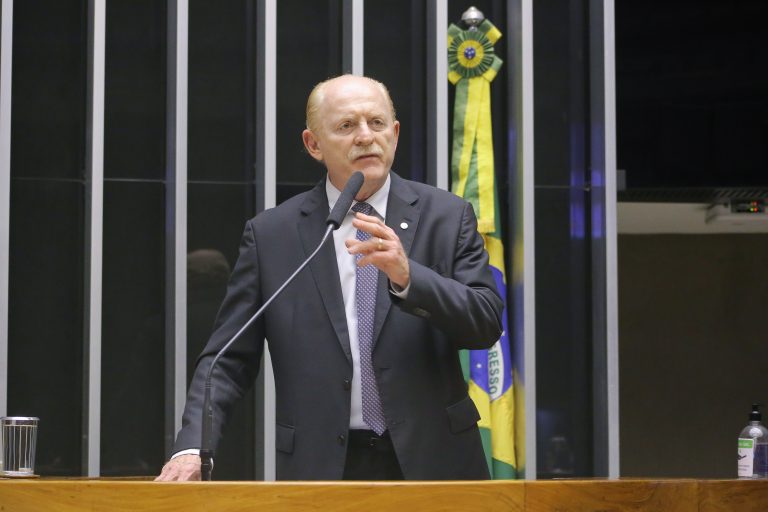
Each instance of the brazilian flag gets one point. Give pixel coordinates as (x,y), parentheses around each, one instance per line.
(472,66)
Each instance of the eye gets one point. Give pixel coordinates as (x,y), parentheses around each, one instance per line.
(345,126)
(378,123)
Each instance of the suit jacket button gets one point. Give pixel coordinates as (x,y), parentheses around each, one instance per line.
(341,439)
(347,384)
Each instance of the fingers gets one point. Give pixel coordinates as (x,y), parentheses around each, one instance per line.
(180,469)
(383,250)
(383,238)
(170,472)
(371,246)
(374,250)
(373,226)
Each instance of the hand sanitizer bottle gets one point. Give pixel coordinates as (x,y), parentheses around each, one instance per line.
(753,447)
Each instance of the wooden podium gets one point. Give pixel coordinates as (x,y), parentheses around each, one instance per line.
(530,496)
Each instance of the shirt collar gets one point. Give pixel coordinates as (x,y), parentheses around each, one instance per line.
(378,200)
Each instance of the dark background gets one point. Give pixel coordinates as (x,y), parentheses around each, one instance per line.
(692,93)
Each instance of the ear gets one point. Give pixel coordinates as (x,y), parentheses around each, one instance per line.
(312,144)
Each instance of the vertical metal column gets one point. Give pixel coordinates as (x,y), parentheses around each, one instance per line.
(438,167)
(94,216)
(524,244)
(266,181)
(6,53)
(352,43)
(611,252)
(529,243)
(603,198)
(176,219)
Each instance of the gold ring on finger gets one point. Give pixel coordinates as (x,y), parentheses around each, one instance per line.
(379,244)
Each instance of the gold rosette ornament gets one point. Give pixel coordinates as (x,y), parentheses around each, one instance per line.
(472,65)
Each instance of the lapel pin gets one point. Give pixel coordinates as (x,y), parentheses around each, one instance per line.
(403,225)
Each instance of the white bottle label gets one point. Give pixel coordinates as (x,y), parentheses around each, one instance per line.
(746,456)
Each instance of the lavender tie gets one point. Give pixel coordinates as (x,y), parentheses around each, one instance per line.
(365,300)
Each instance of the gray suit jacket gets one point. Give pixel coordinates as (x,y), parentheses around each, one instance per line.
(452,303)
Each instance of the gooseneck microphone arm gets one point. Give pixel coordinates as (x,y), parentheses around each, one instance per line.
(334,220)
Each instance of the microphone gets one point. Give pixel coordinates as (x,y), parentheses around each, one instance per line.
(340,209)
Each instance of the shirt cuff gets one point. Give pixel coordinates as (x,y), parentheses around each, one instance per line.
(397,291)
(190,451)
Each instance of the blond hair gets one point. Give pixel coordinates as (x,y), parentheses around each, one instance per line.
(317,96)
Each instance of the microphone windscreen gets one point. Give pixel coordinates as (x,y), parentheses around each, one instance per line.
(343,204)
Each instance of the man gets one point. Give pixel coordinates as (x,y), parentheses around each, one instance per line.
(365,342)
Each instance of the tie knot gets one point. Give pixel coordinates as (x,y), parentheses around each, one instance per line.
(363,208)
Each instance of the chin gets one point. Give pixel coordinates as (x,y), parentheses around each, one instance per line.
(374,172)
(374,179)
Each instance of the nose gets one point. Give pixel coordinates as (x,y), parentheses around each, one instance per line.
(363,135)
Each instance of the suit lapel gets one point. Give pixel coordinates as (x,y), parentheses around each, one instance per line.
(324,267)
(401,211)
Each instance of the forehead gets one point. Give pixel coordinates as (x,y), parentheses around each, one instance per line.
(354,96)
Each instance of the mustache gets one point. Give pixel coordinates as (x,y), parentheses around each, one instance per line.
(358,151)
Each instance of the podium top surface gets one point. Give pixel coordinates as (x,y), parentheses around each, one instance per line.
(635,495)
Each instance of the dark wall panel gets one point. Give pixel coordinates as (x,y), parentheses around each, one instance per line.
(563,336)
(133,329)
(48,102)
(134,89)
(565,241)
(222,90)
(45,301)
(308,52)
(45,317)
(400,63)
(692,93)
